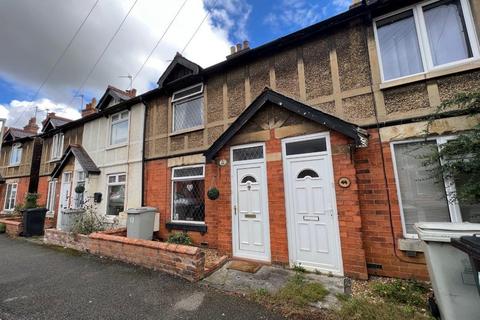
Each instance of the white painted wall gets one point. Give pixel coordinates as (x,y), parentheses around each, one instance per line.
(119,159)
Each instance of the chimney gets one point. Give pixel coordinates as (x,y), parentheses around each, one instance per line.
(90,108)
(32,126)
(131,92)
(238,48)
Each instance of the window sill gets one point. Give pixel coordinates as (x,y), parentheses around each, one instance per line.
(202,228)
(13,165)
(414,245)
(436,73)
(176,133)
(116,146)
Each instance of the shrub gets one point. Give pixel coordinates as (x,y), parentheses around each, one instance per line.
(31,201)
(298,268)
(180,238)
(89,222)
(2,227)
(410,292)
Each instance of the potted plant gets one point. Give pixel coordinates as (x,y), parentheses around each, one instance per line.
(33,216)
(213,193)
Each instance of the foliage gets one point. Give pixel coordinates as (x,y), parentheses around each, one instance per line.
(213,193)
(299,268)
(363,309)
(2,227)
(293,299)
(88,221)
(31,200)
(411,292)
(460,157)
(180,238)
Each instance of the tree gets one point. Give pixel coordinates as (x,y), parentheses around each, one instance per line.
(460,157)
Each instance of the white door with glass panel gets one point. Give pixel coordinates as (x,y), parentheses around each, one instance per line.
(65,191)
(249,203)
(314,240)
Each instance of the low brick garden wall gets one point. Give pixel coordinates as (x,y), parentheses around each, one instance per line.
(13,226)
(179,260)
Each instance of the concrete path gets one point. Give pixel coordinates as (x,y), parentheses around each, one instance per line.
(38,282)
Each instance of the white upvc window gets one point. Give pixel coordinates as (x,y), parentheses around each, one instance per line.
(10,196)
(116,193)
(422,197)
(16,154)
(119,128)
(425,37)
(52,189)
(57,146)
(188,194)
(187,109)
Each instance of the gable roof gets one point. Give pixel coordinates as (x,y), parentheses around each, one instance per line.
(13,134)
(112,93)
(179,68)
(82,157)
(53,122)
(358,134)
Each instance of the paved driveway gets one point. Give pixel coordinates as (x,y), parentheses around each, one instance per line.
(38,282)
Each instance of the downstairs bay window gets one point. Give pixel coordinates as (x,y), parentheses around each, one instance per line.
(422,195)
(188,194)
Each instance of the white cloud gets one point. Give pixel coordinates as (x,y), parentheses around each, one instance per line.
(18,112)
(295,13)
(342,4)
(37,38)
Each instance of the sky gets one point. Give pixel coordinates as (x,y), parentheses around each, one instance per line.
(57,54)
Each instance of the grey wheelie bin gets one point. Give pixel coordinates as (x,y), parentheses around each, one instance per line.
(450,270)
(140,223)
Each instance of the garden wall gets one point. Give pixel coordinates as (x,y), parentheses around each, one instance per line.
(179,260)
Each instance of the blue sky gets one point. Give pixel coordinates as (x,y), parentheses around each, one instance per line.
(36,41)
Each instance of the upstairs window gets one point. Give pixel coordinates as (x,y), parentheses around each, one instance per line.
(188,108)
(424,37)
(16,154)
(119,128)
(57,146)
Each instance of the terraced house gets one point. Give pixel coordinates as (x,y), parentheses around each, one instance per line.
(307,140)
(304,150)
(19,169)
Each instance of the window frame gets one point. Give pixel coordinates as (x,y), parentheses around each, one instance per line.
(57,146)
(449,186)
(114,122)
(51,196)
(17,147)
(116,183)
(7,200)
(190,97)
(187,178)
(424,44)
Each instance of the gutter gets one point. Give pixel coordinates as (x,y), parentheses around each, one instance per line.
(143,148)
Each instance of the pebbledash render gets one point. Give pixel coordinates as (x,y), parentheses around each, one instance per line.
(303,151)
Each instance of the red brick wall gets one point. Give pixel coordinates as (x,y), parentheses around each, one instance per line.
(374,205)
(218,212)
(42,190)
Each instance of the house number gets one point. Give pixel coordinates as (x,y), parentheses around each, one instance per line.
(344,182)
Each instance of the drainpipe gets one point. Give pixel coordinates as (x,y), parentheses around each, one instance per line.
(143,148)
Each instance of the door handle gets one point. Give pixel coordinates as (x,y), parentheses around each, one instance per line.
(330,211)
(234,209)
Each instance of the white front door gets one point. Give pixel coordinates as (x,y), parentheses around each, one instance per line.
(64,195)
(314,240)
(249,204)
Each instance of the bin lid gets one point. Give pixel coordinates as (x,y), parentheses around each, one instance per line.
(445,231)
(469,245)
(141,210)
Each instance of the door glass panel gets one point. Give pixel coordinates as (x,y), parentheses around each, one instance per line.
(307,173)
(423,198)
(250,153)
(306,146)
(249,179)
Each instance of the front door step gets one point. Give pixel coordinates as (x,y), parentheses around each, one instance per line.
(245,266)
